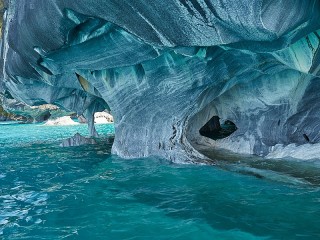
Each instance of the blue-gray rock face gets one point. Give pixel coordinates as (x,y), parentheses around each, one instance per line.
(77,140)
(164,68)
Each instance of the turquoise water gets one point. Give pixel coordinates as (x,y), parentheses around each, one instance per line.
(48,192)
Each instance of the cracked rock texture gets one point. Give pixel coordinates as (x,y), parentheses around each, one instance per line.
(164,68)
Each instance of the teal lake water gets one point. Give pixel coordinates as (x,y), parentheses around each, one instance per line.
(49,192)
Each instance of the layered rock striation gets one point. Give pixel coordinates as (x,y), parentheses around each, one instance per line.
(165,68)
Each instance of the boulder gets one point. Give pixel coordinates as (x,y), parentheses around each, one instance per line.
(77,140)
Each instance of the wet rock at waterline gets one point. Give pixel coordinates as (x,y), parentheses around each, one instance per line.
(62,121)
(77,140)
(165,68)
(29,114)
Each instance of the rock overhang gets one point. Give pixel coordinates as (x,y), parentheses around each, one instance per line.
(164,67)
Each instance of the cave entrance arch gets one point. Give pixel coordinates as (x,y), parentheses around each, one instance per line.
(215,130)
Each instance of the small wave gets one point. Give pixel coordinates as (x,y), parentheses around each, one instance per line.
(10,123)
(269,175)
(17,208)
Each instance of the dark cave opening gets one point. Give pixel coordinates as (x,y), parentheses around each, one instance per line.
(214,130)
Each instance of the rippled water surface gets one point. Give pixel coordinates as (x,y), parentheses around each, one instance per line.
(48,192)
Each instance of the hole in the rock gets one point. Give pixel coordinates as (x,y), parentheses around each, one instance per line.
(46,116)
(214,130)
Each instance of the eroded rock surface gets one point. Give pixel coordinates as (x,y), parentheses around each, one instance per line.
(31,114)
(61,121)
(165,68)
(102,117)
(77,140)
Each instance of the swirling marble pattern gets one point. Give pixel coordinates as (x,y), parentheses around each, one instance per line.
(164,68)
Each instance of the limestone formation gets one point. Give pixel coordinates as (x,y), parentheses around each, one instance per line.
(77,140)
(165,68)
(102,117)
(62,121)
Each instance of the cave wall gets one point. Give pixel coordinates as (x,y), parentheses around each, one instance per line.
(164,68)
